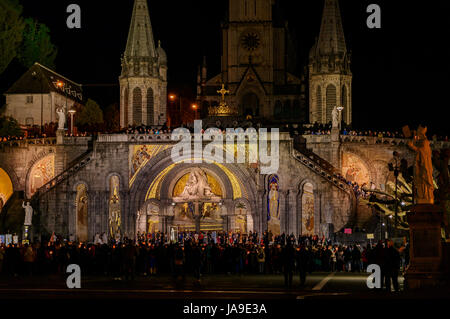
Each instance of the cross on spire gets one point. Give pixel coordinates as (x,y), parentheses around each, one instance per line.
(223,91)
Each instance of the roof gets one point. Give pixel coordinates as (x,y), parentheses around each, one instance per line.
(140,41)
(40,79)
(331,38)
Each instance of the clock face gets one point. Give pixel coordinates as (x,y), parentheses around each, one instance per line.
(250,41)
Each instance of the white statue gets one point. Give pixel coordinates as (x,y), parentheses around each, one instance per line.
(28,214)
(197,186)
(335,117)
(61,118)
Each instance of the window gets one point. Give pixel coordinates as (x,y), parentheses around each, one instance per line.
(150,107)
(29,99)
(137,106)
(331,101)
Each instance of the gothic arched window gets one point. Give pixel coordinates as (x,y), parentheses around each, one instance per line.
(318,109)
(125,107)
(137,106)
(277,109)
(344,99)
(150,107)
(331,101)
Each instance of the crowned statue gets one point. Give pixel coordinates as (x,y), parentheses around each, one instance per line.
(423,168)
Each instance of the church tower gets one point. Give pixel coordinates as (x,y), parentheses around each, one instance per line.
(257,66)
(330,77)
(143,81)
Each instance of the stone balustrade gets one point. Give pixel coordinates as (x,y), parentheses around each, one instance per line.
(372,140)
(44,141)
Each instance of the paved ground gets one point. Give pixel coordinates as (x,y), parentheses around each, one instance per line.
(318,285)
(332,294)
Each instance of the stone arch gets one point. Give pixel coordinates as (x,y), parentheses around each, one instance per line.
(6,188)
(38,159)
(137,106)
(108,177)
(174,175)
(278,109)
(330,101)
(150,106)
(12,176)
(300,202)
(162,161)
(368,163)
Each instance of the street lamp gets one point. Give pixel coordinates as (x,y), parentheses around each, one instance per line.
(394,166)
(172,99)
(194,107)
(72,112)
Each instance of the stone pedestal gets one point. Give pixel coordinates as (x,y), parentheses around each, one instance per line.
(426,247)
(26,234)
(60,136)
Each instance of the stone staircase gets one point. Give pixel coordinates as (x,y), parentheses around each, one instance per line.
(72,168)
(327,171)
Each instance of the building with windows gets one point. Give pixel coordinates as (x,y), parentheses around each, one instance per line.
(35,97)
(258,66)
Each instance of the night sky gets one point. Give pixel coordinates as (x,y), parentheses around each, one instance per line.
(400,72)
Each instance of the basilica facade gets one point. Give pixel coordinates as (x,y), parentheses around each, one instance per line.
(127,184)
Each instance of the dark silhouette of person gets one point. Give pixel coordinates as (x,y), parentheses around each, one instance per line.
(391,266)
(288,258)
(302,264)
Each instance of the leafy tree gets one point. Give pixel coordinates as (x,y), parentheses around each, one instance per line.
(90,116)
(36,45)
(9,127)
(11,31)
(112,117)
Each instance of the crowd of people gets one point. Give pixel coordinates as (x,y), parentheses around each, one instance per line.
(325,129)
(202,254)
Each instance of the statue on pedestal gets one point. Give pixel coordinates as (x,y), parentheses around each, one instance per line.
(28,214)
(423,168)
(61,118)
(335,117)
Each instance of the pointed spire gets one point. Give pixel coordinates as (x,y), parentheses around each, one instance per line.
(140,41)
(331,37)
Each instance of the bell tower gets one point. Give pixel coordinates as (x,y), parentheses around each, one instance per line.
(330,77)
(143,81)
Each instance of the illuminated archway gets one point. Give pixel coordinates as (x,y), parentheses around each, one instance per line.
(354,169)
(40,174)
(6,188)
